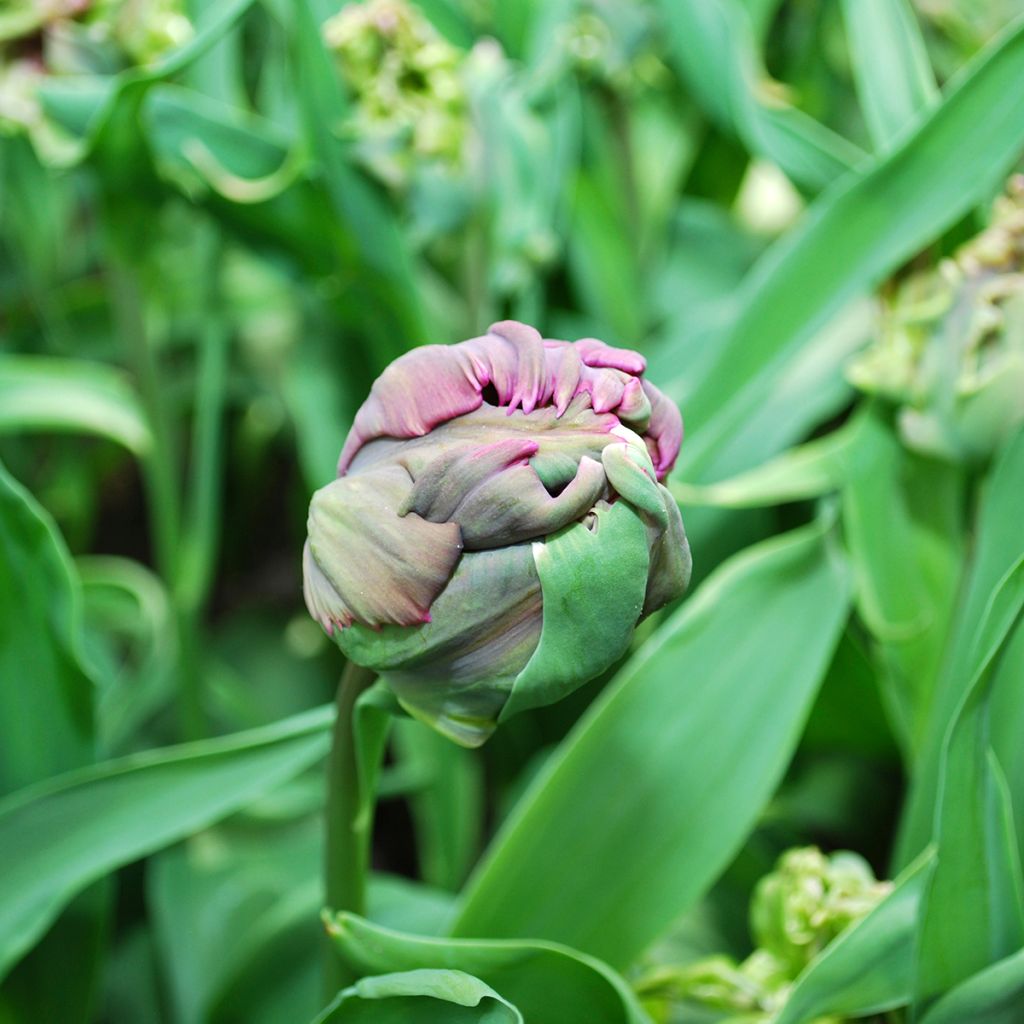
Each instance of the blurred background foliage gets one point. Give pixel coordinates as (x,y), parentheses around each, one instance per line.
(219,221)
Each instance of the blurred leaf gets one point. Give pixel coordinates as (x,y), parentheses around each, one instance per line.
(869,968)
(550,984)
(236,913)
(46,692)
(973,914)
(370,222)
(43,393)
(130,633)
(420,997)
(698,727)
(448,810)
(807,471)
(205,144)
(849,240)
(714,49)
(1000,541)
(992,996)
(905,607)
(102,115)
(894,78)
(57,837)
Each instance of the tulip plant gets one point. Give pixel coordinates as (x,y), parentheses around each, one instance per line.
(450,729)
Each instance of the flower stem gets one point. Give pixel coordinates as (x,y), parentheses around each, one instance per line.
(347,837)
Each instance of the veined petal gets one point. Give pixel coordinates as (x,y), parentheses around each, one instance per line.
(444,484)
(515,506)
(365,563)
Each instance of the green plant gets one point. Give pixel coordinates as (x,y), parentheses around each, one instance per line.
(221,221)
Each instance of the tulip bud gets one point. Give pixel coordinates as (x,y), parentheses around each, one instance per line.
(498,527)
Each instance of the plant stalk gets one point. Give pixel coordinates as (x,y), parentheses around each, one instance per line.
(347,840)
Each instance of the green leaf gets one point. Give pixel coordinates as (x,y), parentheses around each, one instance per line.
(550,984)
(44,393)
(46,693)
(205,144)
(130,637)
(973,914)
(103,114)
(602,853)
(992,996)
(807,471)
(904,602)
(853,237)
(714,50)
(1000,541)
(57,837)
(448,809)
(894,79)
(869,968)
(420,997)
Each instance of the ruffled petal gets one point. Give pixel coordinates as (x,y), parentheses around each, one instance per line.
(367,564)
(664,433)
(515,506)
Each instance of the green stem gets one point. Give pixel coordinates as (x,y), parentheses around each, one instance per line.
(347,833)
(198,550)
(159,466)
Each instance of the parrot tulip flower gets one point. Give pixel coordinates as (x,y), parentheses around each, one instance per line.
(498,526)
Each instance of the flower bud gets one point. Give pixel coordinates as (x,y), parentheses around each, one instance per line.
(951,350)
(808,900)
(498,527)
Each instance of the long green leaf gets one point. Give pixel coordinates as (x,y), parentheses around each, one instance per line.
(46,693)
(713,48)
(1000,541)
(658,785)
(903,601)
(973,913)
(57,837)
(549,983)
(47,393)
(851,239)
(894,79)
(810,470)
(992,996)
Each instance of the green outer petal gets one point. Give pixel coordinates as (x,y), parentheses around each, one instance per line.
(593,578)
(671,562)
(455,672)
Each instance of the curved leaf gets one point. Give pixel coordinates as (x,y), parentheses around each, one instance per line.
(46,393)
(46,693)
(57,837)
(551,984)
(657,786)
(420,997)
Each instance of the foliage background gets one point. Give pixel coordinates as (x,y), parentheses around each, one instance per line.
(215,231)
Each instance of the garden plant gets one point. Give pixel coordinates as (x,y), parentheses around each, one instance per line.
(375,642)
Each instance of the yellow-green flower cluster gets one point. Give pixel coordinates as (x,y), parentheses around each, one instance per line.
(410,101)
(951,349)
(615,42)
(40,38)
(796,911)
